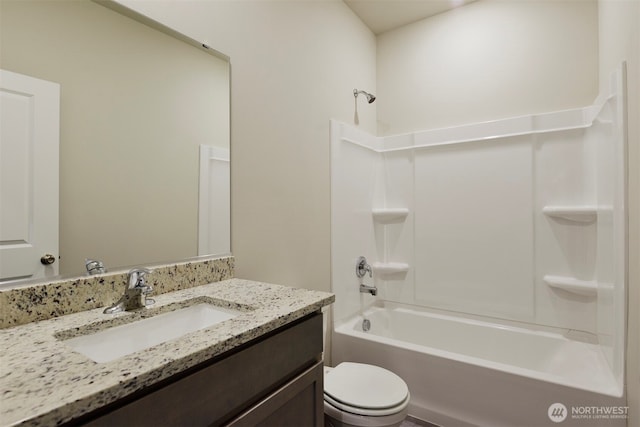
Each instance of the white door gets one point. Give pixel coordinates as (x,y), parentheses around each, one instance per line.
(29,140)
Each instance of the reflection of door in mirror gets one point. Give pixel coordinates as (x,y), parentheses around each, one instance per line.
(214,203)
(135,106)
(29,138)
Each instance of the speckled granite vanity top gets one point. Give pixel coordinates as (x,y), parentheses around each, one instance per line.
(45,382)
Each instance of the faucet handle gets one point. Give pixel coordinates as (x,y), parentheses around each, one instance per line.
(362,267)
(137,278)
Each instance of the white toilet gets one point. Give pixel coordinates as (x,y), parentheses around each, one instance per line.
(360,395)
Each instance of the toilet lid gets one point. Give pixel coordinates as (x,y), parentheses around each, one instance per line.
(365,386)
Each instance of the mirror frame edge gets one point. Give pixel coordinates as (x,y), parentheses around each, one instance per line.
(143,19)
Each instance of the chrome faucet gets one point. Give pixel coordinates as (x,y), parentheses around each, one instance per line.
(363,268)
(135,295)
(94,266)
(368,289)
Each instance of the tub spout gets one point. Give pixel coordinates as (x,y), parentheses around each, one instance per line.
(368,289)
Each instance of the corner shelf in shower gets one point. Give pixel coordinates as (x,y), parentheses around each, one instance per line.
(389,215)
(389,268)
(573,285)
(577,213)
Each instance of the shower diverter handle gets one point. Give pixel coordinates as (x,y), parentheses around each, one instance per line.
(362,267)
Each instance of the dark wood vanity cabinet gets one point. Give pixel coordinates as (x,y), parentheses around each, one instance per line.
(275,380)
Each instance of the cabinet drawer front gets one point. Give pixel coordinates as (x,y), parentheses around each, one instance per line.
(299,403)
(216,393)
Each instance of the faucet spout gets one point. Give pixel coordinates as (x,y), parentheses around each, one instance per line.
(368,289)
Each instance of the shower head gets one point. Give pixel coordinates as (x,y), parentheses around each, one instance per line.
(370,97)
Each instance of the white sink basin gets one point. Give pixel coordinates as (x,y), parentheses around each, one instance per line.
(119,341)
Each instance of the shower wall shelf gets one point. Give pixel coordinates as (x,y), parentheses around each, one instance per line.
(389,268)
(573,285)
(577,213)
(390,215)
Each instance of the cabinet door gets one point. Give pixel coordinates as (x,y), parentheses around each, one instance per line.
(299,403)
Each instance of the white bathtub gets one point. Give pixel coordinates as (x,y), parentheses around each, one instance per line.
(465,371)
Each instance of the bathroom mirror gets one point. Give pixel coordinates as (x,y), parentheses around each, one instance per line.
(144,128)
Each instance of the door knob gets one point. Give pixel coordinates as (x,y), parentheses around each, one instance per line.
(47,259)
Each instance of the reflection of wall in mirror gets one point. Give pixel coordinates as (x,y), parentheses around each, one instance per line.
(136,104)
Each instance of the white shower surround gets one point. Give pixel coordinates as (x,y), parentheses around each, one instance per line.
(517,220)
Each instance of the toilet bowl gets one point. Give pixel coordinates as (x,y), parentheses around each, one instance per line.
(360,395)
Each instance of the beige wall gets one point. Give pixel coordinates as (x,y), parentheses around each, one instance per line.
(135,106)
(619,23)
(294,66)
(487,60)
(514,58)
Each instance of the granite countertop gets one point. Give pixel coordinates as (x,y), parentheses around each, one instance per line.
(45,382)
